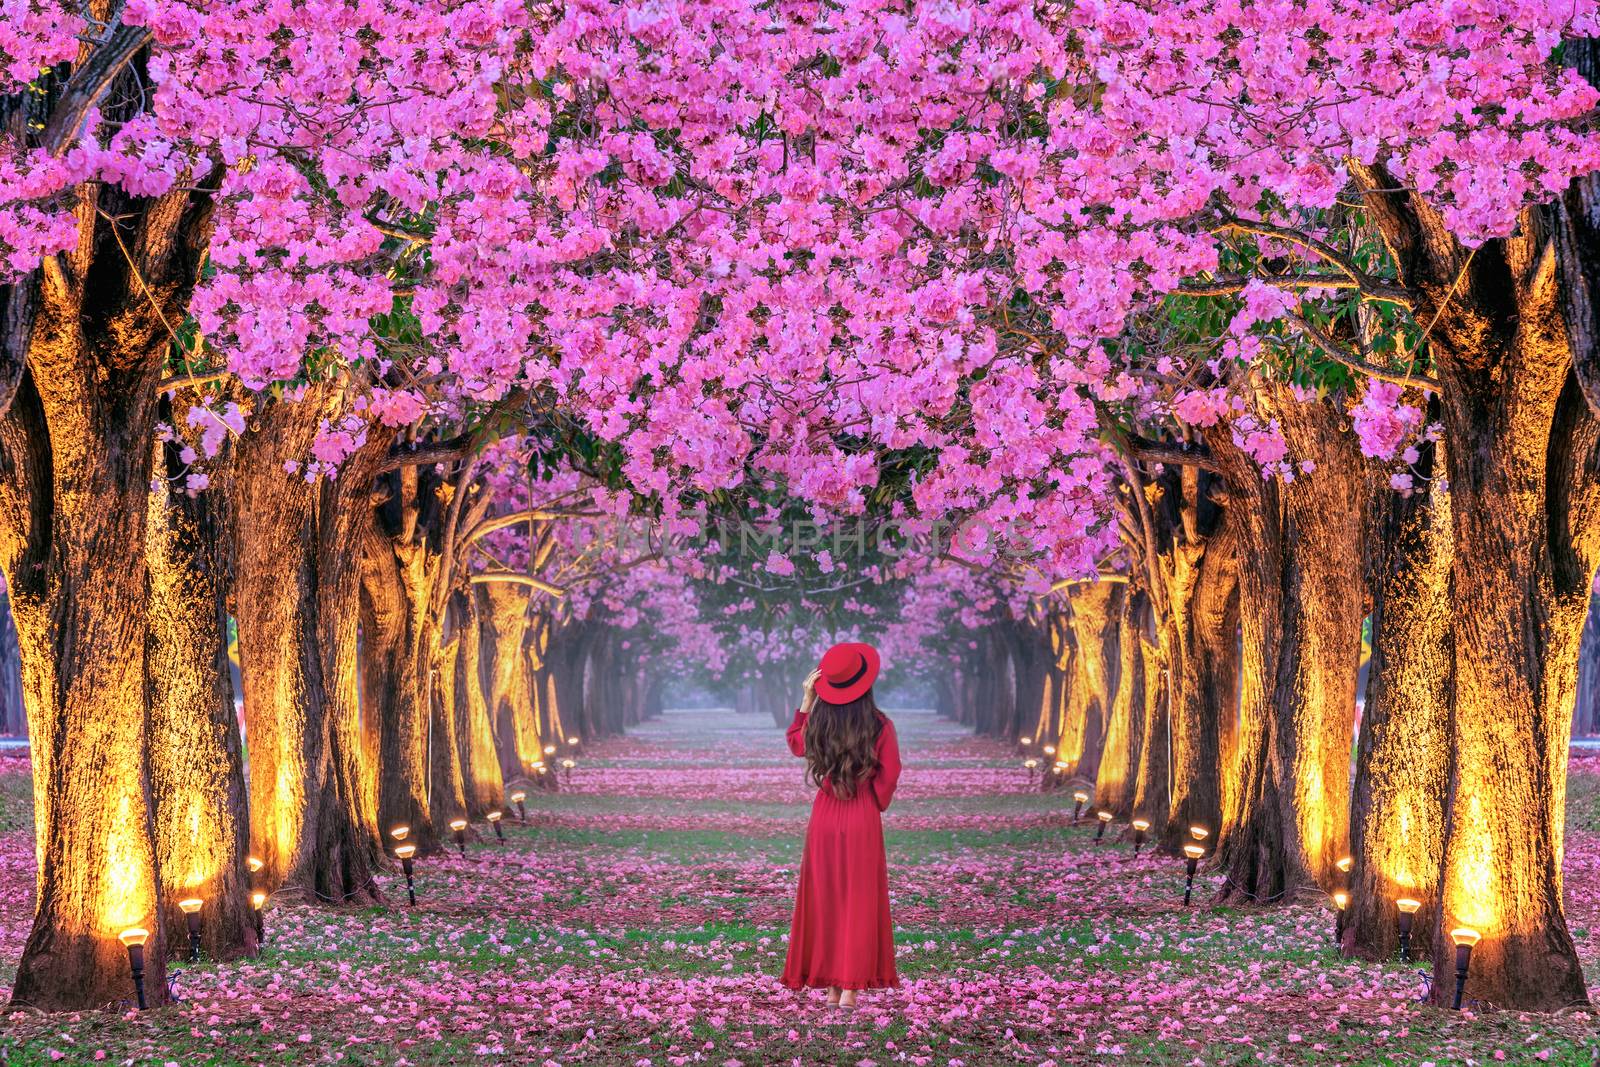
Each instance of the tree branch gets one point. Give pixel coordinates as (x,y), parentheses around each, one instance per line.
(519,579)
(1230,284)
(422,455)
(1359,365)
(89,82)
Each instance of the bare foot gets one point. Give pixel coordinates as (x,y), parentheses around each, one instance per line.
(847,998)
(833,996)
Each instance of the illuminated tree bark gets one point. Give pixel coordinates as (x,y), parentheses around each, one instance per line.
(1513,319)
(89,329)
(448,793)
(1095,608)
(312,816)
(1301,615)
(1403,759)
(482,780)
(510,699)
(196,765)
(1203,659)
(1153,791)
(396,576)
(1117,781)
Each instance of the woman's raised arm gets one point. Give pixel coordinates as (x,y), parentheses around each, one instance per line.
(797,733)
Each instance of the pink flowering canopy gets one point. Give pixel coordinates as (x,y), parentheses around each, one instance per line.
(789,241)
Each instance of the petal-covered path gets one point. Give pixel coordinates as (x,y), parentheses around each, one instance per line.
(640,919)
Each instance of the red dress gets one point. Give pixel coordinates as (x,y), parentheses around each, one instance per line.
(841,934)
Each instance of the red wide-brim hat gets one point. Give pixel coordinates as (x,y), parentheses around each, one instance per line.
(846,672)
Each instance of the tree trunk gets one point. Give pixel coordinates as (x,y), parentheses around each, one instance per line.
(1153,792)
(1117,781)
(196,762)
(448,795)
(510,699)
(1403,759)
(1510,318)
(1095,611)
(312,820)
(1301,607)
(482,779)
(395,657)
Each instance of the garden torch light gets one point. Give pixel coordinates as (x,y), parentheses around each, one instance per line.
(567,765)
(1081,798)
(399,833)
(1032,765)
(494,818)
(549,750)
(1139,828)
(191,917)
(1464,938)
(255,863)
(572,742)
(258,900)
(406,853)
(522,812)
(1341,901)
(133,940)
(1049,750)
(1192,854)
(459,827)
(1027,740)
(1199,833)
(1408,915)
(1105,820)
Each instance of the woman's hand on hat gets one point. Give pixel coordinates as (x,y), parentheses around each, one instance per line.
(808,698)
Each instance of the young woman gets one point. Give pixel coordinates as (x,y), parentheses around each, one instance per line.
(841,938)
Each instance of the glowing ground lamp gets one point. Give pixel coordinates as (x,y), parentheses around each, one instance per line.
(191,917)
(1081,798)
(400,833)
(255,863)
(1199,833)
(1341,901)
(494,818)
(406,854)
(1191,863)
(258,900)
(459,828)
(1060,768)
(1139,828)
(572,742)
(133,940)
(1026,741)
(1105,818)
(567,765)
(549,750)
(517,798)
(1464,938)
(1032,765)
(1049,750)
(1408,915)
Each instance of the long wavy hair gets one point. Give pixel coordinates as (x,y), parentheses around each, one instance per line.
(842,743)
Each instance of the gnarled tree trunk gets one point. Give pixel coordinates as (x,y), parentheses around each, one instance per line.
(1403,760)
(1117,781)
(196,765)
(1301,613)
(312,819)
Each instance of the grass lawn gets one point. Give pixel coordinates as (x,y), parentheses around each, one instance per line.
(640,918)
